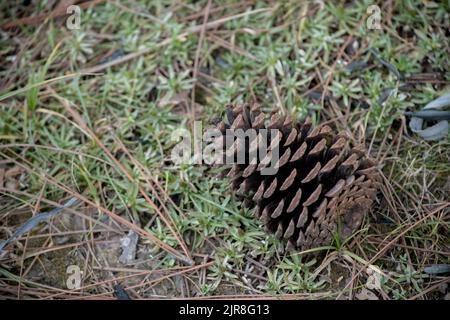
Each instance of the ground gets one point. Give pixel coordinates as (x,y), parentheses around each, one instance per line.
(88,109)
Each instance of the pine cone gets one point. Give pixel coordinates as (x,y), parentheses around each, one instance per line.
(322,182)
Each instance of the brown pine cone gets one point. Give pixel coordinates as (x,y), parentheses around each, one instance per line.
(322,181)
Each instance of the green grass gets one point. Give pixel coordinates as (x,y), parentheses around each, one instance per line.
(276,53)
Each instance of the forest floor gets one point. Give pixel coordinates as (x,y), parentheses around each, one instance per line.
(90,101)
